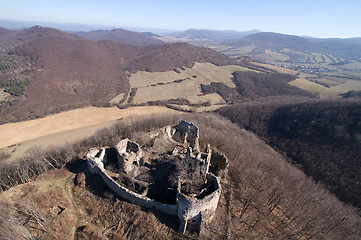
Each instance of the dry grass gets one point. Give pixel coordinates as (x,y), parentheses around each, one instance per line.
(117,98)
(19,138)
(353,66)
(37,207)
(321,58)
(164,85)
(277,56)
(276,68)
(205,72)
(213,98)
(236,52)
(326,81)
(186,89)
(3,95)
(325,93)
(13,133)
(22,149)
(234,68)
(263,198)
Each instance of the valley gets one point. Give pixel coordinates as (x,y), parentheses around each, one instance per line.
(318,59)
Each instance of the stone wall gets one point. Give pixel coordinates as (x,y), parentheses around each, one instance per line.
(96,166)
(187,133)
(129,156)
(192,211)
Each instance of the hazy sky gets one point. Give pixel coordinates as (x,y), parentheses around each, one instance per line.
(317,18)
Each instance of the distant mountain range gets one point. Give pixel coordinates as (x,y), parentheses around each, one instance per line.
(120,35)
(75,27)
(211,35)
(270,46)
(343,48)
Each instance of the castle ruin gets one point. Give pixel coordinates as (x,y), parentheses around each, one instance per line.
(168,173)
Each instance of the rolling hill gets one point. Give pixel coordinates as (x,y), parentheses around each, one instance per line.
(320,137)
(121,36)
(15,38)
(211,35)
(277,41)
(4,31)
(65,71)
(294,46)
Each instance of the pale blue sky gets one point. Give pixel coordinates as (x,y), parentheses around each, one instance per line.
(316,18)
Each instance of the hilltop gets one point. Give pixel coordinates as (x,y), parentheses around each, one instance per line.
(340,48)
(262,196)
(120,35)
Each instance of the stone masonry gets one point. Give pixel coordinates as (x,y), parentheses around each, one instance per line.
(178,148)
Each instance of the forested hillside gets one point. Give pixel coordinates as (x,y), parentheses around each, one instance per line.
(321,137)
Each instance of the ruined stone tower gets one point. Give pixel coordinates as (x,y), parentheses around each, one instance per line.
(193,199)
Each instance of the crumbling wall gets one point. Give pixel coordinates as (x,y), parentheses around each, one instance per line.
(129,156)
(187,133)
(124,192)
(193,211)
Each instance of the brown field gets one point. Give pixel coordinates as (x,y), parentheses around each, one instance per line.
(162,86)
(3,95)
(307,82)
(233,68)
(236,51)
(69,126)
(277,56)
(278,69)
(332,92)
(212,98)
(44,197)
(117,98)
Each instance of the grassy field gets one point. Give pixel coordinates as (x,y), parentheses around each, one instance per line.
(117,98)
(278,69)
(186,89)
(277,56)
(333,91)
(65,127)
(212,98)
(234,68)
(181,84)
(353,66)
(325,87)
(325,81)
(237,51)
